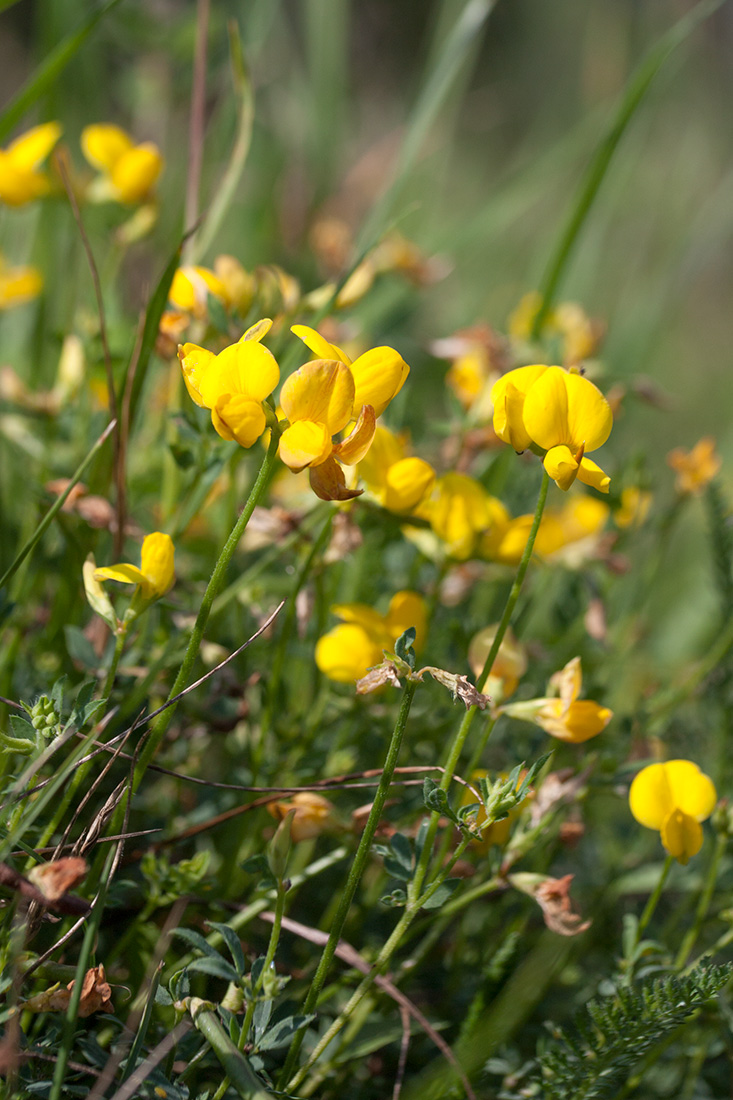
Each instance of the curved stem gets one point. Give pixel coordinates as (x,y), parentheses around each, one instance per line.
(355,873)
(213,588)
(703,904)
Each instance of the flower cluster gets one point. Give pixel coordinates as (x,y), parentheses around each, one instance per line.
(558,412)
(346,652)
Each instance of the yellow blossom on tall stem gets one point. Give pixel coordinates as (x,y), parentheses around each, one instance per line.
(673,797)
(558,412)
(233,384)
(323,397)
(18,285)
(696,468)
(461,512)
(561,713)
(129,172)
(20,179)
(347,651)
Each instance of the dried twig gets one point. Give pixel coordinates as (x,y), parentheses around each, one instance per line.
(67,903)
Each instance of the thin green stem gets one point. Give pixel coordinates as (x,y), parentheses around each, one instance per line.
(116,656)
(213,588)
(646,916)
(355,873)
(463,730)
(703,904)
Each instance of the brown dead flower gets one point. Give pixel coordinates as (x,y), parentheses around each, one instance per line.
(55,878)
(553,897)
(96,996)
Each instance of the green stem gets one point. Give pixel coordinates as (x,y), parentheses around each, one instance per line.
(213,588)
(112,670)
(270,955)
(703,904)
(379,965)
(463,730)
(646,916)
(355,873)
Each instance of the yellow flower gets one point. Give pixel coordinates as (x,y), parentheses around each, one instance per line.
(633,508)
(20,180)
(510,663)
(673,797)
(191,287)
(325,395)
(347,651)
(558,411)
(569,535)
(18,285)
(129,172)
(313,814)
(696,468)
(153,578)
(460,512)
(398,481)
(561,713)
(233,384)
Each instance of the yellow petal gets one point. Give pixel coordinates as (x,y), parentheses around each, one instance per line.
(546,410)
(257,331)
(236,417)
(305,443)
(156,559)
(19,285)
(386,450)
(319,344)
(28,150)
(589,415)
(591,474)
(379,375)
(195,362)
(359,440)
(19,185)
(508,394)
(407,483)
(561,466)
(407,609)
(693,792)
(321,391)
(135,173)
(247,370)
(367,618)
(191,287)
(328,482)
(103,145)
(650,796)
(585,719)
(125,572)
(346,652)
(568,682)
(681,835)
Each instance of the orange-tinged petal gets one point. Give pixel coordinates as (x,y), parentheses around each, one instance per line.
(195,362)
(328,482)
(692,791)
(589,415)
(321,391)
(407,483)
(237,417)
(156,559)
(135,173)
(650,796)
(346,652)
(28,150)
(561,466)
(359,439)
(681,836)
(246,369)
(305,443)
(591,474)
(319,344)
(379,375)
(103,145)
(125,572)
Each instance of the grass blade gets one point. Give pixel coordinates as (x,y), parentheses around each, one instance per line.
(596,171)
(49,68)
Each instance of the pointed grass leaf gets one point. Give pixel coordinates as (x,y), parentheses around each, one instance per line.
(233,943)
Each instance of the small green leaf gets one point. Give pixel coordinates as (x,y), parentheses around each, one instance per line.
(441,895)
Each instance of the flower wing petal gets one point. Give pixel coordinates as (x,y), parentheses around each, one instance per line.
(237,417)
(681,835)
(650,796)
(589,415)
(321,391)
(195,362)
(28,150)
(379,375)
(248,370)
(561,466)
(125,572)
(305,443)
(591,474)
(359,440)
(104,144)
(407,483)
